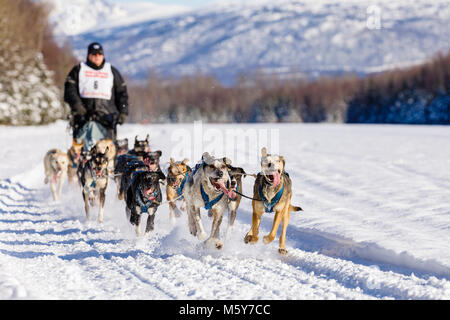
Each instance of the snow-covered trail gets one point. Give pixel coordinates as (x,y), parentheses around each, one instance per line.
(376,225)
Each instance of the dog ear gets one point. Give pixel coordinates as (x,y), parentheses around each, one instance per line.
(227,161)
(185,160)
(264,152)
(172,161)
(135,139)
(147,138)
(206,157)
(283,161)
(159,152)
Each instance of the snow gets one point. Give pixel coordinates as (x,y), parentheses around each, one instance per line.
(375,223)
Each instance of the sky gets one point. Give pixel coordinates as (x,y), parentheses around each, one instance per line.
(187,3)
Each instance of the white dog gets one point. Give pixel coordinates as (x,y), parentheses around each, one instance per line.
(56,165)
(208,187)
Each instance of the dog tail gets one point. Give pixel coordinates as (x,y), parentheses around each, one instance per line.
(294,208)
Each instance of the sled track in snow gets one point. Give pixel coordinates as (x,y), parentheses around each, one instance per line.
(88,260)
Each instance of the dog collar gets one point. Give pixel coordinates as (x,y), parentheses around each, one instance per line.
(209,204)
(269,205)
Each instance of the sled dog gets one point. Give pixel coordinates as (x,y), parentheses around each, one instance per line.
(56,165)
(108,148)
(272,192)
(208,187)
(177,175)
(74,154)
(94,181)
(143,196)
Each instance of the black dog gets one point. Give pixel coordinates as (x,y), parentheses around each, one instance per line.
(127,176)
(143,196)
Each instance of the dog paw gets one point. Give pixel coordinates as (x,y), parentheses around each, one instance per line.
(268,239)
(282,251)
(214,243)
(251,239)
(202,236)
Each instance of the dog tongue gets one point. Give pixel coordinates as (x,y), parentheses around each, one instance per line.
(276,178)
(231,194)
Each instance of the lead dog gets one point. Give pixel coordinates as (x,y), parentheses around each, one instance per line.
(94,181)
(272,192)
(143,196)
(208,187)
(56,165)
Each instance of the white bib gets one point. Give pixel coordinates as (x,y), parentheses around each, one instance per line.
(96,83)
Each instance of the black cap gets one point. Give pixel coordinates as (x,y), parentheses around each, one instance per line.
(94,48)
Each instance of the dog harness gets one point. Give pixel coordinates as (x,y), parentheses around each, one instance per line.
(209,204)
(269,205)
(145,204)
(181,187)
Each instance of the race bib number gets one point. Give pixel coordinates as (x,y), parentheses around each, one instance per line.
(96,83)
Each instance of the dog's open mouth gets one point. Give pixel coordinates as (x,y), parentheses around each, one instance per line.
(148,193)
(219,186)
(98,172)
(274,178)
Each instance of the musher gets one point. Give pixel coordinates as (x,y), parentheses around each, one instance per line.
(96,93)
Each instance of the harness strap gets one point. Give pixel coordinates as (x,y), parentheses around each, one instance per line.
(269,205)
(209,204)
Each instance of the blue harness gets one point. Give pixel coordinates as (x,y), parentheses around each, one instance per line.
(209,204)
(181,187)
(269,205)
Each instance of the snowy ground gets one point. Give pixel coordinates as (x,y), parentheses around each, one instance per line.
(375,225)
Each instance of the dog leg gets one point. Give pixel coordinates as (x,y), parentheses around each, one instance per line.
(183,205)
(201,234)
(53,189)
(102,197)
(135,219)
(150,221)
(252,235)
(213,239)
(60,184)
(174,211)
(192,225)
(284,223)
(279,214)
(86,204)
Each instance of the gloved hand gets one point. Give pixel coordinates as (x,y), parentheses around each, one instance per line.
(122,118)
(79,109)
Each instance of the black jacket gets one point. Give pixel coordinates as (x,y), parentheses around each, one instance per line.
(106,112)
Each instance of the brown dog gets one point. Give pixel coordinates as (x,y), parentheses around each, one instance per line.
(56,164)
(177,175)
(272,192)
(74,154)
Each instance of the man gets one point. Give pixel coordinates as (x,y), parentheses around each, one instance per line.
(96,91)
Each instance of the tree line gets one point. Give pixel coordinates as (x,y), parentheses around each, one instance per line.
(418,94)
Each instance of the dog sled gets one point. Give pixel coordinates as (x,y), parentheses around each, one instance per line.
(90,133)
